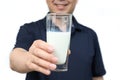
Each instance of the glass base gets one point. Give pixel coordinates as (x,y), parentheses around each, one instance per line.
(61,68)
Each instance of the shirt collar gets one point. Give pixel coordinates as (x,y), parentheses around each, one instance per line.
(76,25)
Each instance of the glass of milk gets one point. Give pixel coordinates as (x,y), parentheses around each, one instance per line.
(58,27)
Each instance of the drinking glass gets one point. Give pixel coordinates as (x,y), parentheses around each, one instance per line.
(58,27)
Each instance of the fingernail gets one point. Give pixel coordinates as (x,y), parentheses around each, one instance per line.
(51,49)
(54,59)
(52,66)
(48,72)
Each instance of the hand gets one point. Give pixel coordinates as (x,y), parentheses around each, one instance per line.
(42,59)
(68,52)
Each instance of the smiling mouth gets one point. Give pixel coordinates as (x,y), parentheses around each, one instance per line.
(60,4)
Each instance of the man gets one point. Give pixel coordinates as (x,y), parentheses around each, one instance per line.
(32,55)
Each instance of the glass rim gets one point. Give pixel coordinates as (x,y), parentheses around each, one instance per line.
(60,14)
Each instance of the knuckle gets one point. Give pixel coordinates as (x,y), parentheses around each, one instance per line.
(29,65)
(43,63)
(35,60)
(35,41)
(35,51)
(40,41)
(31,49)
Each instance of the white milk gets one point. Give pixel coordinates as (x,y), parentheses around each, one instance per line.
(60,41)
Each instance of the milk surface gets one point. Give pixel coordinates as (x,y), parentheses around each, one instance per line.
(60,41)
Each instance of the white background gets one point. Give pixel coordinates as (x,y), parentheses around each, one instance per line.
(103,16)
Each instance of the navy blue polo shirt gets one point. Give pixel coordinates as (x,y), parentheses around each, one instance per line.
(85,60)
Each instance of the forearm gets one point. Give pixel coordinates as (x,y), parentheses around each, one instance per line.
(18,57)
(98,78)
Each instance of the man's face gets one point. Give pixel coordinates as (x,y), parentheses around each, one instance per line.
(61,6)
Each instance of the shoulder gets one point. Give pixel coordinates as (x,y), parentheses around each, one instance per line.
(84,29)
(33,25)
(89,31)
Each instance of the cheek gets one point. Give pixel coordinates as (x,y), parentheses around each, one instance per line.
(49,3)
(71,7)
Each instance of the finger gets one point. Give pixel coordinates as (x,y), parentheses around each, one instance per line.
(43,63)
(69,52)
(43,45)
(44,55)
(39,69)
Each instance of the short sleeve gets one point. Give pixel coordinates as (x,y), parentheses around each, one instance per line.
(97,64)
(24,38)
